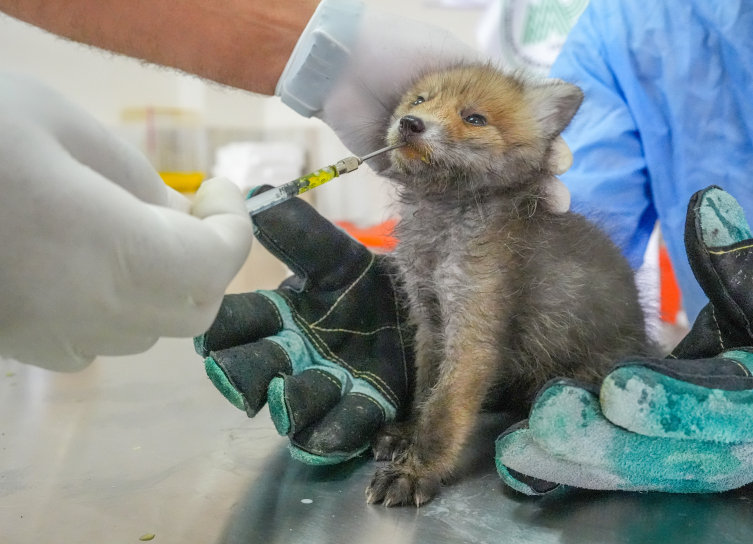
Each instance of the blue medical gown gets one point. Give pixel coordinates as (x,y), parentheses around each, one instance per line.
(668,110)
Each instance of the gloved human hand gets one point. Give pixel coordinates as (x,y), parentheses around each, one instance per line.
(352,63)
(97,255)
(683,424)
(329,350)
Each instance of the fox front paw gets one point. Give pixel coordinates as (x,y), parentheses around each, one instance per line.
(392,441)
(398,484)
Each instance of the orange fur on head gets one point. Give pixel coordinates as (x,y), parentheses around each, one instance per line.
(453,95)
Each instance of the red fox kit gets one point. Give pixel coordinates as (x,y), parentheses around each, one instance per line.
(505,293)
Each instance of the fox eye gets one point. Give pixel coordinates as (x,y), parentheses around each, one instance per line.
(418,100)
(475,119)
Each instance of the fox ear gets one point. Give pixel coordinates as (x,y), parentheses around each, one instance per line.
(554,104)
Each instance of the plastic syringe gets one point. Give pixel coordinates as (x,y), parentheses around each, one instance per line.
(266,200)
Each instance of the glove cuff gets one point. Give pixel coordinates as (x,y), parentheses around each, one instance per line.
(319,56)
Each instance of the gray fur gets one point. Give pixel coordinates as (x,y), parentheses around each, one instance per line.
(565,303)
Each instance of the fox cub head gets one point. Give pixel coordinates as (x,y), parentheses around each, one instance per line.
(473,127)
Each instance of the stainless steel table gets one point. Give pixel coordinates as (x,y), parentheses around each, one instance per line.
(145,444)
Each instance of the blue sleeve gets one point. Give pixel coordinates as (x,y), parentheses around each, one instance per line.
(609,178)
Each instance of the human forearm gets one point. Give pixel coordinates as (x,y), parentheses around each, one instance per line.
(243,43)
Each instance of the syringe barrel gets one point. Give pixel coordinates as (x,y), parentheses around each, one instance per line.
(280,194)
(266,200)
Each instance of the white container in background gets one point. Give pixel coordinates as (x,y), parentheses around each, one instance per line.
(248,164)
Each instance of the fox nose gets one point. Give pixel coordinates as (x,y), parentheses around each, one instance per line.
(410,125)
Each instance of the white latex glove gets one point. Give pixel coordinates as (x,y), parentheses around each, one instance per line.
(352,64)
(97,255)
(560,162)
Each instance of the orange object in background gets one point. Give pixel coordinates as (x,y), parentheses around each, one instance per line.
(378,238)
(670,298)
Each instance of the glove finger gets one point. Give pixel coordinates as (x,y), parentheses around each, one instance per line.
(344,432)
(706,399)
(526,467)
(117,160)
(135,270)
(566,421)
(192,258)
(242,318)
(720,252)
(521,459)
(86,139)
(524,483)
(177,201)
(318,252)
(242,373)
(297,401)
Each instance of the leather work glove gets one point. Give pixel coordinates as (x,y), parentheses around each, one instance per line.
(97,255)
(328,350)
(683,424)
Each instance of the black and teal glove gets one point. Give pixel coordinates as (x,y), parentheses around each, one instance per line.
(683,424)
(328,350)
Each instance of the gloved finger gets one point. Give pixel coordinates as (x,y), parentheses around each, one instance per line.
(44,348)
(526,467)
(288,350)
(169,270)
(566,422)
(177,201)
(241,319)
(85,138)
(720,251)
(517,480)
(557,195)
(218,196)
(90,345)
(117,160)
(131,270)
(56,347)
(317,251)
(562,158)
(343,433)
(192,258)
(243,373)
(509,446)
(299,400)
(707,399)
